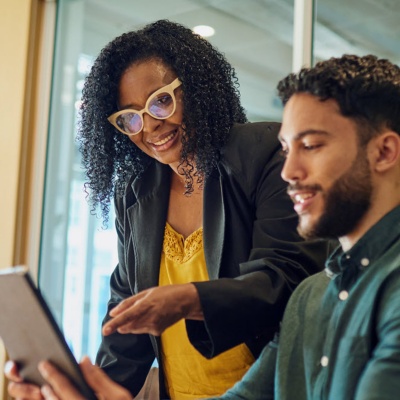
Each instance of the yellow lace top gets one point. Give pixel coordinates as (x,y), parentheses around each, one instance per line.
(188,374)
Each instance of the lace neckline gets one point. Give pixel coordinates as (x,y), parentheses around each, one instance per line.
(178,249)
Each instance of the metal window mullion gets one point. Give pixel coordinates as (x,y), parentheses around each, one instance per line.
(303,34)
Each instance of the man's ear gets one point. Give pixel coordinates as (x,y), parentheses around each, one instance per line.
(386,151)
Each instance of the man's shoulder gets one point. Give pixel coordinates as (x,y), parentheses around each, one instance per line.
(311,289)
(301,311)
(384,271)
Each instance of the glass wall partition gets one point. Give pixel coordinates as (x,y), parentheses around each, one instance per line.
(357,27)
(77,253)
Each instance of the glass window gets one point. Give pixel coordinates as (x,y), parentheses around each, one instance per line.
(77,253)
(357,27)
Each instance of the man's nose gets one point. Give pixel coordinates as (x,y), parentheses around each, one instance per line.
(293,170)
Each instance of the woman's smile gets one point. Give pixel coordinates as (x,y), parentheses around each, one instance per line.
(164,142)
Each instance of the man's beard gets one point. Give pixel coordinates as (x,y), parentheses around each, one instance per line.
(346,202)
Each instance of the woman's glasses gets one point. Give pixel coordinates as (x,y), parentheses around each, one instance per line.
(160,105)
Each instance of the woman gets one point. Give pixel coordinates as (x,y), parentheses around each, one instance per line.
(206,233)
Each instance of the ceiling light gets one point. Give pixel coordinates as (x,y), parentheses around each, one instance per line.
(204,30)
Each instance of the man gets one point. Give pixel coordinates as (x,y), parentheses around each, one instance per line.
(340,336)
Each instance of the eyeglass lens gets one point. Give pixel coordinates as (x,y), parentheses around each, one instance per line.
(160,106)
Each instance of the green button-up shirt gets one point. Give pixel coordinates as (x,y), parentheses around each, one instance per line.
(340,336)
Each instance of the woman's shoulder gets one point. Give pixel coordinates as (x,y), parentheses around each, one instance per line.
(263,129)
(256,142)
(259,137)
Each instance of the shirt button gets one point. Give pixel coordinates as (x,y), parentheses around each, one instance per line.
(364,262)
(324,361)
(343,295)
(347,256)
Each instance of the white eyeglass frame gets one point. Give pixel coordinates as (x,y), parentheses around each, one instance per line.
(170,88)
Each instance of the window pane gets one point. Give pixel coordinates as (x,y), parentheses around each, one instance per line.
(357,27)
(77,253)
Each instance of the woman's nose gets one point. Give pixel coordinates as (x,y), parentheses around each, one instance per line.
(150,124)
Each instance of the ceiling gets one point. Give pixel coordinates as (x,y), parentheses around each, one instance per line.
(256,35)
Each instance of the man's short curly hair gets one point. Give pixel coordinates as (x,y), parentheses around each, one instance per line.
(367,89)
(211,104)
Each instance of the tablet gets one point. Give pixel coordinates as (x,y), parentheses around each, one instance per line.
(30,332)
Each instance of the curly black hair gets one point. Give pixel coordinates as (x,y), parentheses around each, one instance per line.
(367,89)
(211,104)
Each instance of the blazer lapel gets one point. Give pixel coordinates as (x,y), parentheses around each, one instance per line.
(213,224)
(147,219)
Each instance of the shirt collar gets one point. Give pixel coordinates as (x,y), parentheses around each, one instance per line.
(369,248)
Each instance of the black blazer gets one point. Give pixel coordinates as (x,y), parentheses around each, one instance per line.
(249,234)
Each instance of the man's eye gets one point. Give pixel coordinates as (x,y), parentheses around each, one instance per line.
(312,146)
